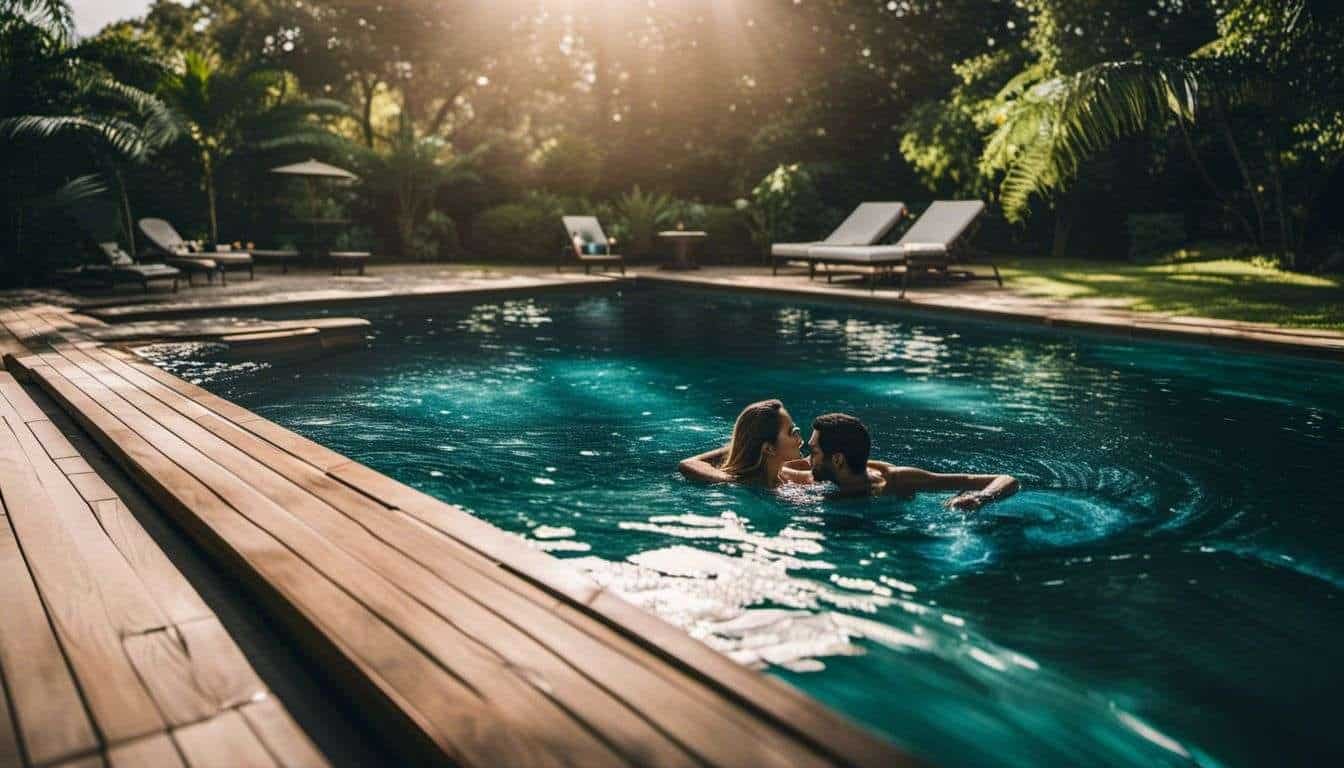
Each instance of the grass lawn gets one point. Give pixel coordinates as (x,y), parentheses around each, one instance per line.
(1215,281)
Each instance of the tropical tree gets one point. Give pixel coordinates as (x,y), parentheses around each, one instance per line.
(224,112)
(1246,89)
(408,176)
(67,123)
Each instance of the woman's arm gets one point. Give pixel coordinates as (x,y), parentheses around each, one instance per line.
(978,490)
(797,471)
(703,467)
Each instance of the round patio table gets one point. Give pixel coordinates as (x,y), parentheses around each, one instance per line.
(683,240)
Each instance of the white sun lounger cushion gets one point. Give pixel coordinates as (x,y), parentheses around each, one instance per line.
(931,236)
(869,223)
(792,250)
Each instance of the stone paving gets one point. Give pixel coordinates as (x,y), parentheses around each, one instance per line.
(979,298)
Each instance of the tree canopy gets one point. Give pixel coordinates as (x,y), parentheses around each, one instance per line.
(1225,113)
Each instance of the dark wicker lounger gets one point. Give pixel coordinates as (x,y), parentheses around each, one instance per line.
(165,240)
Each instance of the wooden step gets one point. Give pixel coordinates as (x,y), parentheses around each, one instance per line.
(115,652)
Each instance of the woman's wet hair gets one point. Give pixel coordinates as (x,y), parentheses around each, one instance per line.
(757,425)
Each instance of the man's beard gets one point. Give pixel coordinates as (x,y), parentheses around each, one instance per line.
(823,472)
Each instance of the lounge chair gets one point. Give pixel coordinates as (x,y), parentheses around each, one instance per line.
(166,241)
(590,237)
(119,267)
(939,239)
(868,224)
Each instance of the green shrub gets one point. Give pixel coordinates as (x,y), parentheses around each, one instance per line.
(639,218)
(528,230)
(788,198)
(435,238)
(1153,233)
(729,235)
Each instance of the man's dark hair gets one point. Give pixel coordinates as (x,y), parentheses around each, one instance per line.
(842,433)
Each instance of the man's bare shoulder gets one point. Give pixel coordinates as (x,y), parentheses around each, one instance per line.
(900,481)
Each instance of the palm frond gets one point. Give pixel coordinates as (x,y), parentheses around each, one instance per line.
(74,191)
(120,136)
(158,125)
(1047,131)
(55,17)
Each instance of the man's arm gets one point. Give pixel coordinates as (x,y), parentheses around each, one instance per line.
(703,468)
(978,490)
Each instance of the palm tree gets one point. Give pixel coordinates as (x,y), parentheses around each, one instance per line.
(224,111)
(67,124)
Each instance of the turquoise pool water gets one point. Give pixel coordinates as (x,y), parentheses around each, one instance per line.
(1165,590)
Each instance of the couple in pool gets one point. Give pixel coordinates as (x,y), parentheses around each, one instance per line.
(766,449)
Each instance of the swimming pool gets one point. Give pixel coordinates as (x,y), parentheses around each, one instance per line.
(1165,589)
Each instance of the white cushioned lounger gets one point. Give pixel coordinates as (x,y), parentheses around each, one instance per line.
(934,241)
(869,223)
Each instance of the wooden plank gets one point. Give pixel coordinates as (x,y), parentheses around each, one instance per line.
(471,531)
(166,585)
(55,443)
(157,751)
(323,541)
(69,521)
(223,741)
(177,384)
(18,399)
(47,708)
(84,607)
(73,465)
(377,660)
(91,487)
(168,673)
(218,665)
(10,754)
(295,444)
(533,636)
(281,736)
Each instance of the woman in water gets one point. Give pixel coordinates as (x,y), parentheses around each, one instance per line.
(764,440)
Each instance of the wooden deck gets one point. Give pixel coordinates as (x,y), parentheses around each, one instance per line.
(449,632)
(107,654)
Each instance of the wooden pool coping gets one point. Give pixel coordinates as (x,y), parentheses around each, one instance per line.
(638,690)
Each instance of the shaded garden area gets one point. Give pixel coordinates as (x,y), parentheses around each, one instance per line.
(1105,132)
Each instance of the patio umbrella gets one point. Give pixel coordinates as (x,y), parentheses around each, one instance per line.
(313,169)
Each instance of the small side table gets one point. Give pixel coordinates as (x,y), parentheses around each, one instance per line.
(683,240)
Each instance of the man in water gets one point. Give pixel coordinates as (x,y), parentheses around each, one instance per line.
(838,452)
